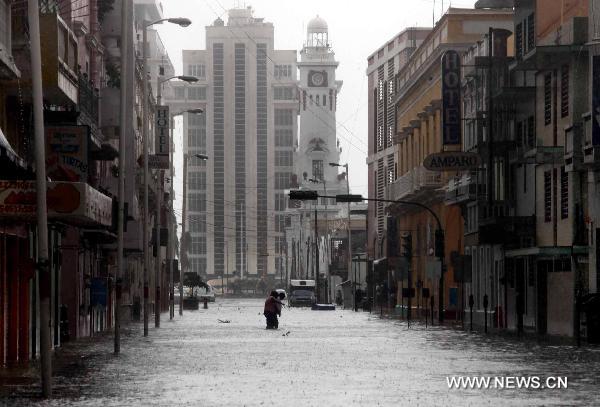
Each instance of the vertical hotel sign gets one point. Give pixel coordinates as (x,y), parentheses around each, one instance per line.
(162,131)
(596,101)
(451,122)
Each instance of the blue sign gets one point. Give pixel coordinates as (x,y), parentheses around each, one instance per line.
(596,100)
(451,112)
(98,292)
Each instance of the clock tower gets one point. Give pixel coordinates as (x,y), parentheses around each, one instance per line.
(317,146)
(318,91)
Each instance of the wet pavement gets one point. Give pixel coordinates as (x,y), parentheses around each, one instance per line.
(224,356)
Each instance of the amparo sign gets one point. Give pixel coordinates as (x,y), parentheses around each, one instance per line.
(452,161)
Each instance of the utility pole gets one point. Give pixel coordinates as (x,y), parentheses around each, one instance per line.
(157,263)
(125,35)
(146,217)
(42,218)
(183,231)
(316,254)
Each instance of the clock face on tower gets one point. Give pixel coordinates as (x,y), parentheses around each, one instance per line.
(317,78)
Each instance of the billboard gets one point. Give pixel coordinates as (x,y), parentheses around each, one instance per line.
(67,153)
(451,112)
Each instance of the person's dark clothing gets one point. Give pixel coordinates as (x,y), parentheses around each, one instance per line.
(271,311)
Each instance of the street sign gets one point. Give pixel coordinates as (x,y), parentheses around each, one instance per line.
(452,161)
(160,162)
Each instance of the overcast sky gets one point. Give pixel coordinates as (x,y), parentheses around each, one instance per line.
(356,30)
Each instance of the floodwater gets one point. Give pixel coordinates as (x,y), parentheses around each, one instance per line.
(224,356)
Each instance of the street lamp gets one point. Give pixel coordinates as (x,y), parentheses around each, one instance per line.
(322,181)
(349,229)
(183,22)
(184,211)
(173,233)
(160,173)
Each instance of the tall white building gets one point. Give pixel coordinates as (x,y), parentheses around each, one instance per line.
(235,200)
(317,147)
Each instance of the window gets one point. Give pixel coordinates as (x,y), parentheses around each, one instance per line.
(197,93)
(196,119)
(548,98)
(197,138)
(318,100)
(198,265)
(519,40)
(284,138)
(280,202)
(197,70)
(197,180)
(284,117)
(282,180)
(531,131)
(283,159)
(280,223)
(564,91)
(324,100)
(197,202)
(564,193)
(530,32)
(547,196)
(198,245)
(197,223)
(317,169)
(283,93)
(283,71)
(179,92)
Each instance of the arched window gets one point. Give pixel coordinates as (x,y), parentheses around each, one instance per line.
(311,99)
(318,100)
(324,100)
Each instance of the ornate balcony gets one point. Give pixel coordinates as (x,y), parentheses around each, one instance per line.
(415,184)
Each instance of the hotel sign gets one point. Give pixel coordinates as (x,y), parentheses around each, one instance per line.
(452,161)
(451,112)
(161,127)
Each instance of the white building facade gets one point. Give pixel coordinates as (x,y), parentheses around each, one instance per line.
(235,201)
(317,147)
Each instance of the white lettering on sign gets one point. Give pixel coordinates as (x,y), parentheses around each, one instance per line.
(162,130)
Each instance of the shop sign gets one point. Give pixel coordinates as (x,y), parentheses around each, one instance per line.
(452,161)
(451,112)
(159,162)
(161,126)
(67,153)
(71,202)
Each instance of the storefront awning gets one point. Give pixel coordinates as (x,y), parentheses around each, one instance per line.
(74,203)
(8,155)
(547,251)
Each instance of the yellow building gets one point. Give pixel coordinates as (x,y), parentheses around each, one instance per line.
(418,111)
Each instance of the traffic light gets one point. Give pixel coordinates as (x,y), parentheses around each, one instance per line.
(348,198)
(407,245)
(303,195)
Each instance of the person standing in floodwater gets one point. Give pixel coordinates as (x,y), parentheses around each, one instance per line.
(271,310)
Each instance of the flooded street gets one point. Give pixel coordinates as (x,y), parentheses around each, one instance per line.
(224,356)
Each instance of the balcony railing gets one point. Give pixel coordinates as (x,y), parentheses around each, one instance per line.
(88,99)
(414,183)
